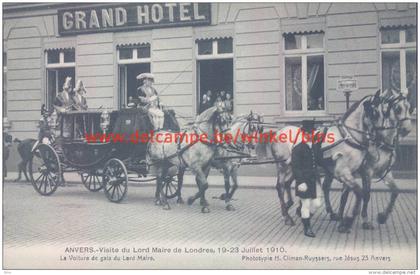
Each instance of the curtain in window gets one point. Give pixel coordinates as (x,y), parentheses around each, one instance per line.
(391,71)
(293,84)
(411,70)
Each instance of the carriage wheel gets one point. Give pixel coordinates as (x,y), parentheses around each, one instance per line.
(170,187)
(115,179)
(92,181)
(45,170)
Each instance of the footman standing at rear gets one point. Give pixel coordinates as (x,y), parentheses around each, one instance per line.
(305,172)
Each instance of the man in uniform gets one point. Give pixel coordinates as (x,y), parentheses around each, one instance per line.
(304,168)
(79,97)
(148,98)
(64,103)
(80,104)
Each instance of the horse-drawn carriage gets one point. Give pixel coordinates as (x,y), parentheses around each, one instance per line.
(103,147)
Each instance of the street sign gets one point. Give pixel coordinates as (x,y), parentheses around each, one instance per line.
(346,84)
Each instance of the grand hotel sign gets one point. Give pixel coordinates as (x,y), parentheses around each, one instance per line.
(131,16)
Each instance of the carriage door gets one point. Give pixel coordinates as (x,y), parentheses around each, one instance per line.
(214,72)
(132,61)
(60,64)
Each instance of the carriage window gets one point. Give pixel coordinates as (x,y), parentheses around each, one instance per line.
(214,73)
(304,72)
(132,61)
(398,57)
(60,63)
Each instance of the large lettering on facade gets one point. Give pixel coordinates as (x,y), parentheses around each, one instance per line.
(132,16)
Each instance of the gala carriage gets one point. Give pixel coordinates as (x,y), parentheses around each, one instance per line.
(86,142)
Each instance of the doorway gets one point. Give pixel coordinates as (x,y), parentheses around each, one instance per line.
(216,76)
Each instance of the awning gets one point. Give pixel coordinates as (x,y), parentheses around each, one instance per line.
(217,33)
(397,22)
(310,25)
(132,45)
(398,19)
(59,44)
(133,39)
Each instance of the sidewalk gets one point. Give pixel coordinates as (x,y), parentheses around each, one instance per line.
(259,182)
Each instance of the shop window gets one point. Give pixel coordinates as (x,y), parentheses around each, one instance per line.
(214,73)
(132,61)
(399,61)
(60,63)
(304,72)
(4,84)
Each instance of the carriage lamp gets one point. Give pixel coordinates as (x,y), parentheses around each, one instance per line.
(104,121)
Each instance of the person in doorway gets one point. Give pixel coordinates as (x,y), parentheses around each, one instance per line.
(219,103)
(223,95)
(229,103)
(304,168)
(149,99)
(209,98)
(204,105)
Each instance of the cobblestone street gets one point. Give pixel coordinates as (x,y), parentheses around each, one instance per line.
(37,230)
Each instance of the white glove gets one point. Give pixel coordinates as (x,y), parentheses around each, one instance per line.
(153,98)
(302,187)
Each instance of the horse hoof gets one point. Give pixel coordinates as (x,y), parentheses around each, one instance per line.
(180,201)
(158,202)
(205,210)
(289,221)
(367,226)
(190,201)
(381,218)
(334,217)
(222,196)
(230,207)
(166,207)
(343,229)
(289,204)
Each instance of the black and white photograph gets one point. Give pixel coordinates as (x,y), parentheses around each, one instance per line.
(210,135)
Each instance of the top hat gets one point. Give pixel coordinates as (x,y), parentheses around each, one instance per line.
(308,125)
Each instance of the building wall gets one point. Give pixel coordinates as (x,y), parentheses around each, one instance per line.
(173,65)
(95,65)
(351,47)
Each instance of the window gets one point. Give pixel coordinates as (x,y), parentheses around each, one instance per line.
(304,72)
(214,73)
(132,61)
(60,63)
(399,61)
(4,84)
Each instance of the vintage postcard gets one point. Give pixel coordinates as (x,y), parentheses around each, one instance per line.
(175,135)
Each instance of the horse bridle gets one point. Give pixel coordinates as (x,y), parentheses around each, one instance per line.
(235,148)
(380,128)
(392,104)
